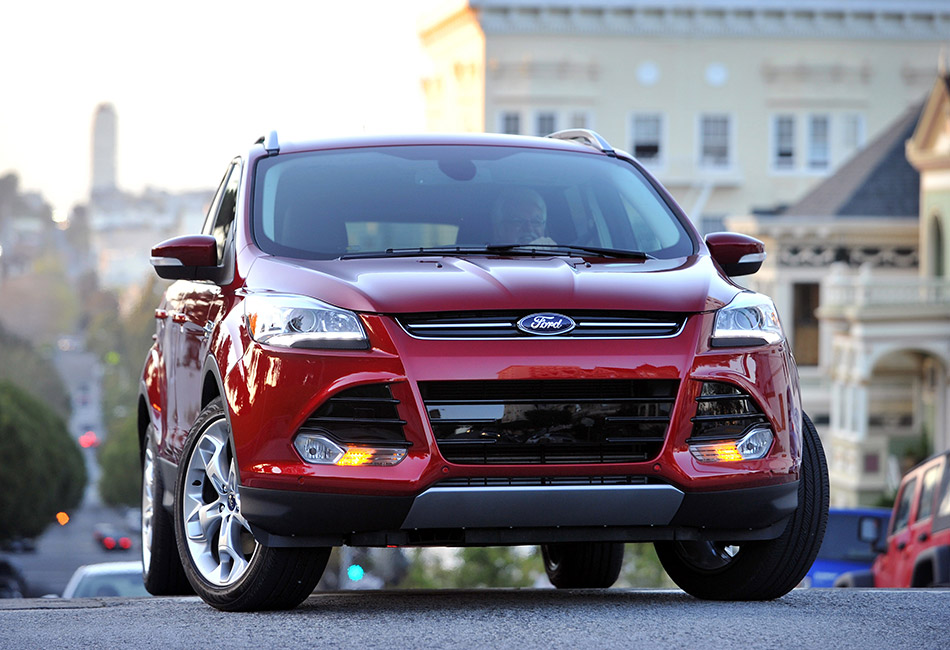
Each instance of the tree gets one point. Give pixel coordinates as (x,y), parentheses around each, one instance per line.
(44,472)
(122,342)
(22,365)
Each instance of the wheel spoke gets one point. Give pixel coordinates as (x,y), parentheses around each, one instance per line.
(232,562)
(216,463)
(203,521)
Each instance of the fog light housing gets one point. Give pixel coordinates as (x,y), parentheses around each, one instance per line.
(318,449)
(755,444)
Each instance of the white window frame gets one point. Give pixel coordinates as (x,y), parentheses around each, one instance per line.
(536,122)
(660,160)
(815,162)
(774,144)
(849,121)
(502,117)
(571,114)
(701,162)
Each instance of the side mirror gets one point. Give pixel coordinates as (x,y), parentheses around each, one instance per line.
(736,254)
(190,257)
(869,532)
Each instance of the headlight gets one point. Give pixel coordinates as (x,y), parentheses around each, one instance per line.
(290,321)
(750,319)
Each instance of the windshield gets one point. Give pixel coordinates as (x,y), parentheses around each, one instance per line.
(328,204)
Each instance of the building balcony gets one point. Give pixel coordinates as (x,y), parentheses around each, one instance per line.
(877,296)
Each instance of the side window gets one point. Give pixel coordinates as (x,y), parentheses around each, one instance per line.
(942,519)
(220,219)
(925,507)
(902,516)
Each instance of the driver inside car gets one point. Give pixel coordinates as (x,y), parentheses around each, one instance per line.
(519,216)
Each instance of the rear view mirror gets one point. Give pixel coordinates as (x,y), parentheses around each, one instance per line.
(190,257)
(736,254)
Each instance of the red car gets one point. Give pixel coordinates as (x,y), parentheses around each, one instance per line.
(917,550)
(467,340)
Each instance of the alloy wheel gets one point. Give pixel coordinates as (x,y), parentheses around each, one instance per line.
(217,535)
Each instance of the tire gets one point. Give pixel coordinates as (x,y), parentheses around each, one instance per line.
(759,570)
(161,566)
(583,565)
(227,567)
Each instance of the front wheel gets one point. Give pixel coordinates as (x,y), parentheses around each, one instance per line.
(760,570)
(583,565)
(227,567)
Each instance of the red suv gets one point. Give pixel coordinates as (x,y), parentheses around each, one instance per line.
(467,340)
(917,551)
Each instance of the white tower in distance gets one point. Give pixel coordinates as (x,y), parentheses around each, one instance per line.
(103,151)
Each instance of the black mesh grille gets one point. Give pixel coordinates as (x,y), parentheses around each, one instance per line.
(362,414)
(502,325)
(724,411)
(549,421)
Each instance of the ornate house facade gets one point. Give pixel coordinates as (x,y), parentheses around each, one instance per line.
(860,265)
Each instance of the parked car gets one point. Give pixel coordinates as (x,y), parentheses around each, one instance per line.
(106,579)
(112,538)
(917,550)
(843,549)
(12,583)
(467,340)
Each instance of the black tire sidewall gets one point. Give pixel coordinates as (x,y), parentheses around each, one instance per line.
(164,575)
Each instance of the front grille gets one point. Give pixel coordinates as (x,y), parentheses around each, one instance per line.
(549,421)
(724,411)
(503,325)
(361,414)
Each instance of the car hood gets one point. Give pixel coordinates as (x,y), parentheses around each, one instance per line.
(448,283)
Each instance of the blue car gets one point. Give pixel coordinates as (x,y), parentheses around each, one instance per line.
(842,550)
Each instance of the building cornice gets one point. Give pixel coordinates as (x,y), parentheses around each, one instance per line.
(925,20)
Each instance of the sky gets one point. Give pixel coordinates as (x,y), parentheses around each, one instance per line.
(195,82)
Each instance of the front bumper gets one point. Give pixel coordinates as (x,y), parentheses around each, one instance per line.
(518,514)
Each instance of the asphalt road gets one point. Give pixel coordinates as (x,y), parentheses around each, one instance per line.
(503,618)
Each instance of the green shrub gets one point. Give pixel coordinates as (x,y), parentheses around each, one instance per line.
(44,472)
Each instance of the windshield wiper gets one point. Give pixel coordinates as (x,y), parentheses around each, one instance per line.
(517,249)
(555,249)
(420,251)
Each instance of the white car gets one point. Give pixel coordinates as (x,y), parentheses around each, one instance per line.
(106,579)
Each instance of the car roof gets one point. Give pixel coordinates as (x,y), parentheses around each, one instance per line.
(291,145)
(104,568)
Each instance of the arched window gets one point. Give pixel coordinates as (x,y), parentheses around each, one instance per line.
(938,264)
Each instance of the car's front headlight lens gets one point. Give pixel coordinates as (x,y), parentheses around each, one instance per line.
(750,319)
(291,321)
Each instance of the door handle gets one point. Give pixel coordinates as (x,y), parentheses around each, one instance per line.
(922,537)
(901,546)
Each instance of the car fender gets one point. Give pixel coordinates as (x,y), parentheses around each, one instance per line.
(152,392)
(936,561)
(855,579)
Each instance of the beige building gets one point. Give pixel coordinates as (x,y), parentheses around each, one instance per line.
(736,105)
(858,271)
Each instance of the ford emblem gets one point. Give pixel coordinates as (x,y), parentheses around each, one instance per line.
(546,324)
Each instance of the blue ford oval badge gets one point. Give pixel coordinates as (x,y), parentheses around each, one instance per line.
(546,324)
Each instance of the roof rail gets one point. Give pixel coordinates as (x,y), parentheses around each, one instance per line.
(586,137)
(270,142)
